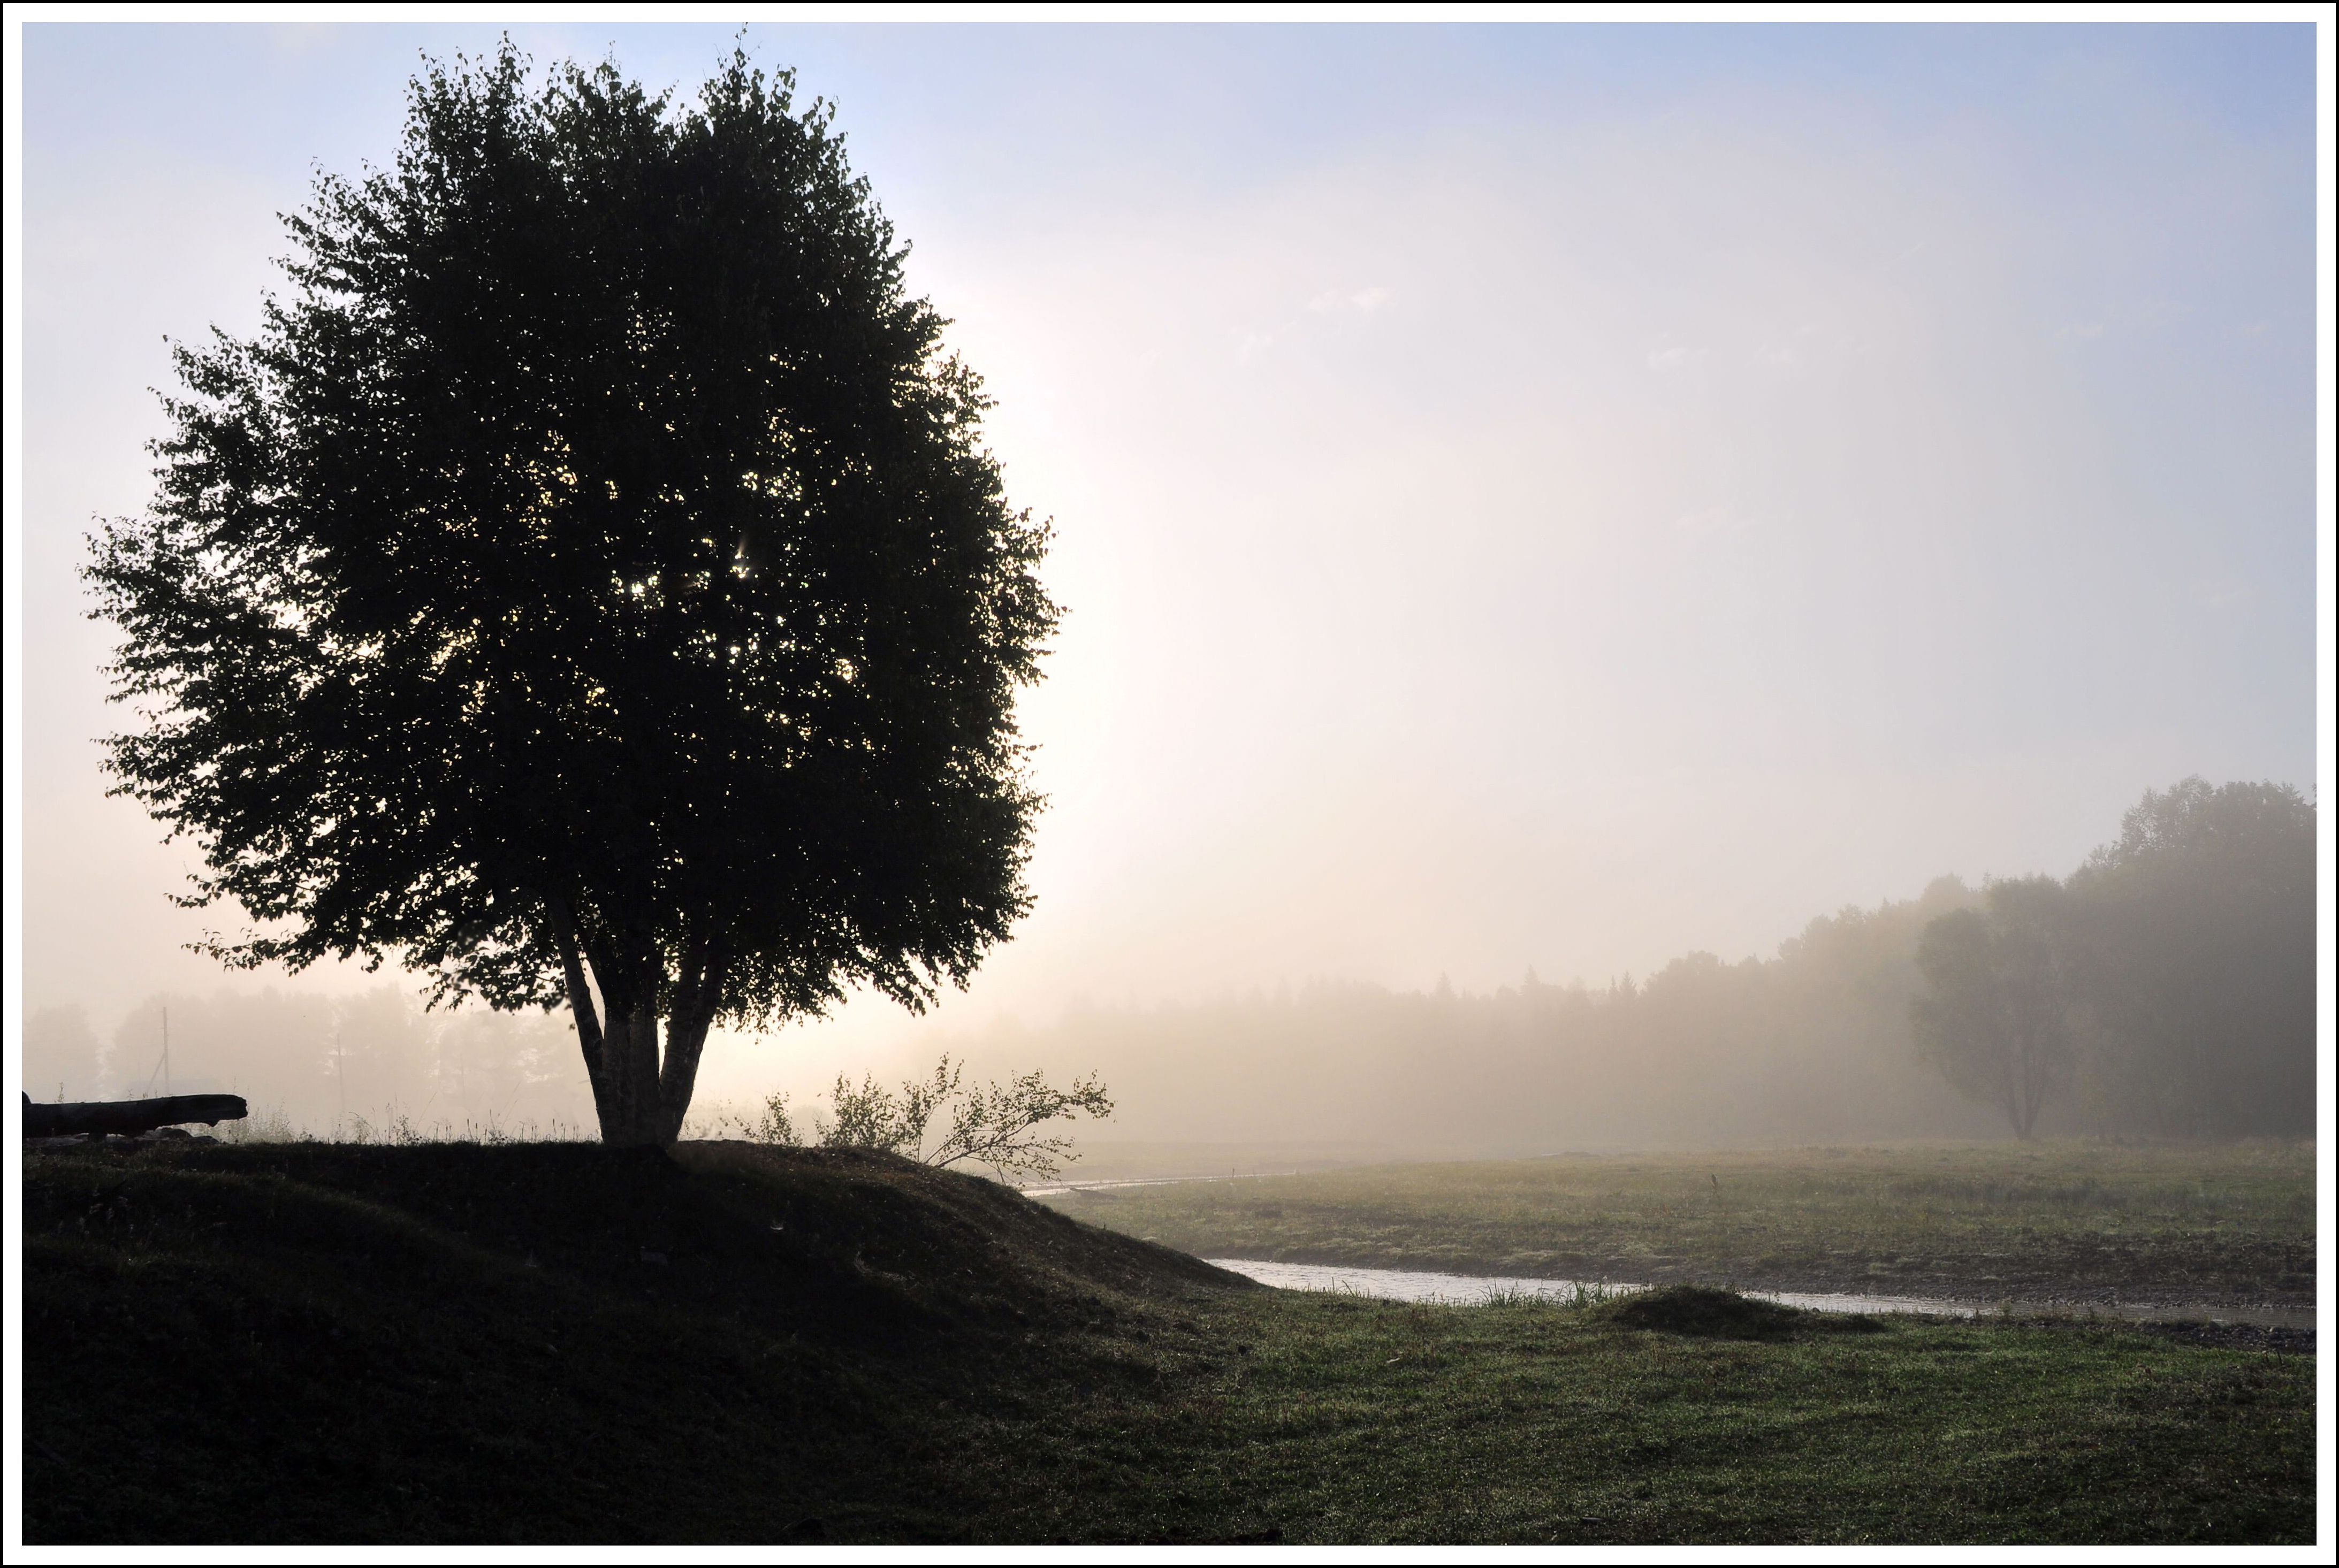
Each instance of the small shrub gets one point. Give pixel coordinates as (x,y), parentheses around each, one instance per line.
(995,1125)
(269,1125)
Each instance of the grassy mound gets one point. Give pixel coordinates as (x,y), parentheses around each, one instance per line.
(1702,1312)
(452,1341)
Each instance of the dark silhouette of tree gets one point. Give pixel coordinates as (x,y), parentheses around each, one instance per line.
(2197,931)
(591,568)
(1995,1016)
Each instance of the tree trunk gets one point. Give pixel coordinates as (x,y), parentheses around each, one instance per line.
(639,1094)
(696,999)
(589,1037)
(630,1111)
(685,1037)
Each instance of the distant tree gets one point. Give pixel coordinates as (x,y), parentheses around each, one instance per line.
(2197,950)
(591,570)
(1995,1015)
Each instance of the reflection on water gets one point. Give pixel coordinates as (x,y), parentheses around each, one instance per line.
(1058,1189)
(1465,1289)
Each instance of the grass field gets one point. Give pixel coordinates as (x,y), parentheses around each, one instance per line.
(1346,1420)
(2068,1221)
(561,1343)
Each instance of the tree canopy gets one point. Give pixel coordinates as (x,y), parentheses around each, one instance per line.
(2195,928)
(591,567)
(2170,979)
(1995,1016)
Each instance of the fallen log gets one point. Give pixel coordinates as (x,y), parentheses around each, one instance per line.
(129,1117)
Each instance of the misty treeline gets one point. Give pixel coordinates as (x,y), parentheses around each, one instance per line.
(1811,1045)
(330,1065)
(2166,987)
(2180,986)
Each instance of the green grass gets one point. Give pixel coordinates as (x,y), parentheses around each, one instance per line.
(1373,1421)
(456,1344)
(2072,1220)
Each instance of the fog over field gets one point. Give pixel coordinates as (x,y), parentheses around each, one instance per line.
(1545,516)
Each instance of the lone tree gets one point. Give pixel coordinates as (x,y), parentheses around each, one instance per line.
(1996,1015)
(591,569)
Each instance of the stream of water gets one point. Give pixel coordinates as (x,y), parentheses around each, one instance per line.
(1464,1289)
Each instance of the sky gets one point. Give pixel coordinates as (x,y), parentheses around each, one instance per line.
(1527,496)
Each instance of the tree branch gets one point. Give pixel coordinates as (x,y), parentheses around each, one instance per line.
(580,996)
